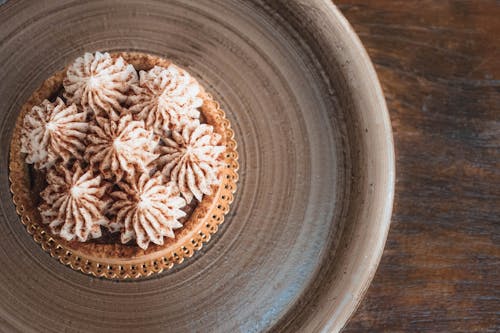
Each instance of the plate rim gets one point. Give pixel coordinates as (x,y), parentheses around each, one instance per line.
(334,314)
(386,216)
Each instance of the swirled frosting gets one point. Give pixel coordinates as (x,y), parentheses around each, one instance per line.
(192,158)
(74,203)
(122,150)
(99,82)
(53,130)
(147,210)
(165,98)
(119,149)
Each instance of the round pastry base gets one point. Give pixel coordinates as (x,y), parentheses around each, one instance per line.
(108,257)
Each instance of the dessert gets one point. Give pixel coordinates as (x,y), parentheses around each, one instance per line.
(190,158)
(118,148)
(147,209)
(122,161)
(53,130)
(99,82)
(165,98)
(73,203)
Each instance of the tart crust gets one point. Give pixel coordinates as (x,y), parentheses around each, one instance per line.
(107,257)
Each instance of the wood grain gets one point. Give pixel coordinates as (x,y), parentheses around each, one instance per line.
(439,66)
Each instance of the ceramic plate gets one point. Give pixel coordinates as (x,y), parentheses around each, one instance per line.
(311,214)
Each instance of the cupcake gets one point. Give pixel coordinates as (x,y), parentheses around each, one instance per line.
(122,165)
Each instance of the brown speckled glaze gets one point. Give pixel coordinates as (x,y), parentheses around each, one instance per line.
(309,222)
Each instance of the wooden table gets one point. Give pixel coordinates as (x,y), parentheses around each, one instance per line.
(439,65)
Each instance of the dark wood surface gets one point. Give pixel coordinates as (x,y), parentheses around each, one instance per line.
(439,65)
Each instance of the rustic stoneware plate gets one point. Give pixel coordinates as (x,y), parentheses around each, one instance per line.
(311,214)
